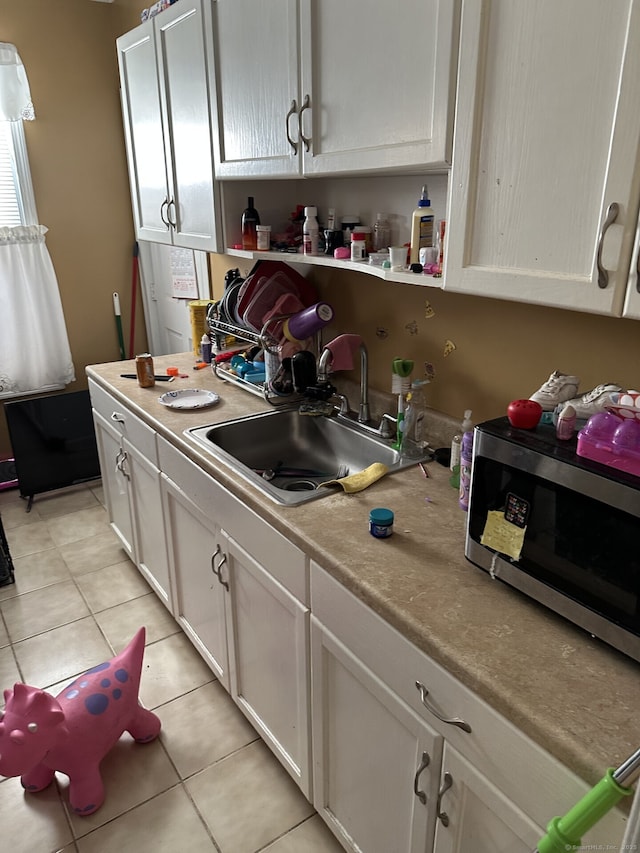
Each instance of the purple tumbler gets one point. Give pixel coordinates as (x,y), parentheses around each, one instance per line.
(306,323)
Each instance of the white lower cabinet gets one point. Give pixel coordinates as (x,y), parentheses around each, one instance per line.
(376,763)
(389,724)
(473,816)
(241,595)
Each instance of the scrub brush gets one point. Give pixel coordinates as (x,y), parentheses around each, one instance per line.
(400,385)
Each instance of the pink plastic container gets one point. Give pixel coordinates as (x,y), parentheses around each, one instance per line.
(612,441)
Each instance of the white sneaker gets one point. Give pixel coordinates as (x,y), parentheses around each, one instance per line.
(558,388)
(593,401)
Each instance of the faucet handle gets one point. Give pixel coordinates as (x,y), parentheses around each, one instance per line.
(388,426)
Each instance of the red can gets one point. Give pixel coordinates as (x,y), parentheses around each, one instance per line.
(144,370)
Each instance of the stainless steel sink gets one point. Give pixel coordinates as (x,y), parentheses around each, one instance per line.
(284,438)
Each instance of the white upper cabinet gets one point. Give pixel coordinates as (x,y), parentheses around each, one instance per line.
(319,88)
(166,109)
(545,152)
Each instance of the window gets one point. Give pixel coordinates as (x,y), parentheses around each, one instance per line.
(17,202)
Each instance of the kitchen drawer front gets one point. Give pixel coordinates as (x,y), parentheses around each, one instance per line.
(142,436)
(532,778)
(283,560)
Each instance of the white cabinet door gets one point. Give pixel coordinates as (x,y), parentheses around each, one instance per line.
(195,552)
(144,137)
(376,91)
(146,509)
(377,84)
(376,763)
(268,659)
(115,470)
(546,140)
(166,107)
(475,817)
(256,70)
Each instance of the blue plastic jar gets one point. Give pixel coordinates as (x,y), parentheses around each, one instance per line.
(381,523)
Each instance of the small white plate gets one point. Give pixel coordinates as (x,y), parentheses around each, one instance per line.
(189,398)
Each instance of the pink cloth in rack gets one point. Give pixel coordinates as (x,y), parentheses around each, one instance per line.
(343,349)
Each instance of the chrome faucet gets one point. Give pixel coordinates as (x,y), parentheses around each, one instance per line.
(324,364)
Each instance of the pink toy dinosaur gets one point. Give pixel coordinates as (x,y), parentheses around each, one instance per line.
(73,732)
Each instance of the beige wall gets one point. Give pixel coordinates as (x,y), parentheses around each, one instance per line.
(503,350)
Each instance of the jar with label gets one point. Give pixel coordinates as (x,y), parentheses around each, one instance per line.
(381,522)
(144,370)
(358,246)
(263,237)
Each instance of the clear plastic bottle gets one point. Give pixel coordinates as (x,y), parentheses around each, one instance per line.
(381,233)
(413,436)
(310,231)
(250,220)
(466,457)
(456,446)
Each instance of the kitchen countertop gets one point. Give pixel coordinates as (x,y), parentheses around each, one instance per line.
(569,692)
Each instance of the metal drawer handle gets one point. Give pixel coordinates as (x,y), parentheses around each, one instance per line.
(292,111)
(172,222)
(305,106)
(118,418)
(610,218)
(423,765)
(218,573)
(454,721)
(213,557)
(447,782)
(121,458)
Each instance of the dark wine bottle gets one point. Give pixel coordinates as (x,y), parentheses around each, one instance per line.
(250,218)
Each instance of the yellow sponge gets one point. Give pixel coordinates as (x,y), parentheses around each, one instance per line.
(358,482)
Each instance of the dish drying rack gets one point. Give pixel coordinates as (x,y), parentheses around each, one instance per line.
(220,329)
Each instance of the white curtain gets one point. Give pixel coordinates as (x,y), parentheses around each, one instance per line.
(34,347)
(15,96)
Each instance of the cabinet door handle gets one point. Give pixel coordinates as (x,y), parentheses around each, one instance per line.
(447,782)
(218,573)
(173,223)
(292,111)
(117,417)
(610,218)
(164,204)
(638,271)
(454,721)
(213,557)
(423,765)
(306,139)
(121,458)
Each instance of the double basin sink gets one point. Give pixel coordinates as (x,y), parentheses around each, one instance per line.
(288,455)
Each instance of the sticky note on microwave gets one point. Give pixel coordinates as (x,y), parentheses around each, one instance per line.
(502,535)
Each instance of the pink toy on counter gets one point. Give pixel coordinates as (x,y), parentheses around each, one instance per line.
(73,732)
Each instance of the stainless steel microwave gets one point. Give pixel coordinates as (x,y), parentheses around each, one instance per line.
(560,528)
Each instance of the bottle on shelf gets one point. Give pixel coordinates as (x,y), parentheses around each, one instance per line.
(422,226)
(381,233)
(413,436)
(310,231)
(456,447)
(250,221)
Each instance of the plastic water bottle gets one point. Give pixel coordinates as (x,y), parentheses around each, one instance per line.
(413,436)
(381,233)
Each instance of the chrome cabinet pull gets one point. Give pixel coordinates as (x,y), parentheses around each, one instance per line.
(447,782)
(117,417)
(423,765)
(173,223)
(610,218)
(213,557)
(306,139)
(454,721)
(164,204)
(292,111)
(218,573)
(638,271)
(121,458)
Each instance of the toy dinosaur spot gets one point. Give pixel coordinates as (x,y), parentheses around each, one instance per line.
(105,682)
(96,703)
(122,675)
(72,694)
(90,807)
(117,693)
(83,683)
(99,668)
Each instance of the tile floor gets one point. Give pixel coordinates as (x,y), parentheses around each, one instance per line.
(208,783)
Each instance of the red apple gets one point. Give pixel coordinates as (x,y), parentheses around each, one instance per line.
(524,414)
